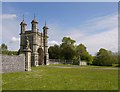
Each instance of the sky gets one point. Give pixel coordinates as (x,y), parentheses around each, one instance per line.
(95,24)
(60,0)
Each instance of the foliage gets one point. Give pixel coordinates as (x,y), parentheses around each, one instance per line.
(67,48)
(4,50)
(82,53)
(105,57)
(68,41)
(49,78)
(54,52)
(9,52)
(68,51)
(3,47)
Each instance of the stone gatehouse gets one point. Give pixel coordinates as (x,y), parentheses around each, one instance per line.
(34,43)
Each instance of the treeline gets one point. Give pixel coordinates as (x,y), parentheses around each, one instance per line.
(67,50)
(105,58)
(4,50)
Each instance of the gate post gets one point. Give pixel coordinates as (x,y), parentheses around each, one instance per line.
(27,52)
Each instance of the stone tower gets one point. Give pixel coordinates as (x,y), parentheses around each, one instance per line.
(22,37)
(38,43)
(45,43)
(34,43)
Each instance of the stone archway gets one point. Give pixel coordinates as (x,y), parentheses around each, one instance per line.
(40,56)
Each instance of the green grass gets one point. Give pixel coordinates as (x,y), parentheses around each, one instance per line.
(53,78)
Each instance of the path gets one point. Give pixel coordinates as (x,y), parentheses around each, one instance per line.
(85,67)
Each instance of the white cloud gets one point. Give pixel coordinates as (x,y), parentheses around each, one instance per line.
(10,31)
(51,43)
(8,16)
(100,32)
(100,24)
(107,40)
(14,39)
(103,33)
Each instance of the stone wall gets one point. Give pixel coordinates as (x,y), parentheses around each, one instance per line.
(83,63)
(13,63)
(58,61)
(55,61)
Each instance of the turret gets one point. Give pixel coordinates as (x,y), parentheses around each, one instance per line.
(23,26)
(34,25)
(35,41)
(23,29)
(45,45)
(45,29)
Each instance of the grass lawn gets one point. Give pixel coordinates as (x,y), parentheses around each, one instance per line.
(54,78)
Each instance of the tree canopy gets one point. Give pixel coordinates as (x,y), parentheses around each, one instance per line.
(3,47)
(104,57)
(83,53)
(68,51)
(54,52)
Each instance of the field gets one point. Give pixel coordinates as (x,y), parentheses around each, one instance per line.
(63,78)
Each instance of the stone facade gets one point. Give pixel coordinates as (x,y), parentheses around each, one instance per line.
(38,43)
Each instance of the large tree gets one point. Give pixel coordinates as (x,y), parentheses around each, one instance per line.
(82,53)
(68,41)
(67,48)
(104,57)
(54,52)
(67,52)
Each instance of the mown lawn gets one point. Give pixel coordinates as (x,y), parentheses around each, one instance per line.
(53,78)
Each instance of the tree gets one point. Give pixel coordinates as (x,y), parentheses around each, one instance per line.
(3,47)
(67,48)
(104,57)
(68,41)
(54,52)
(82,53)
(4,50)
(67,52)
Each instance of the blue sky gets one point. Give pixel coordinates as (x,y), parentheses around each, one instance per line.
(90,23)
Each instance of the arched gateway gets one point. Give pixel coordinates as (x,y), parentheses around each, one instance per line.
(40,56)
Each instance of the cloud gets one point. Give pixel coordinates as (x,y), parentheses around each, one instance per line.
(100,24)
(107,40)
(14,40)
(99,32)
(8,16)
(10,31)
(51,43)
